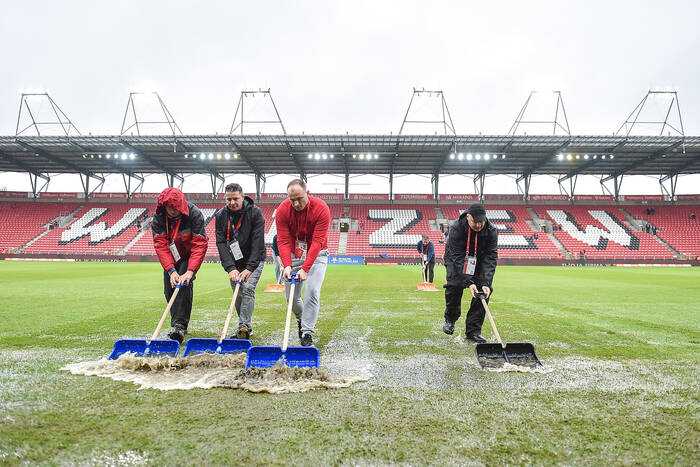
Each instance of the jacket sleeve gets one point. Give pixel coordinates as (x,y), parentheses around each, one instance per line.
(484,274)
(225,254)
(257,241)
(284,237)
(160,243)
(431,252)
(418,246)
(320,236)
(456,247)
(199,241)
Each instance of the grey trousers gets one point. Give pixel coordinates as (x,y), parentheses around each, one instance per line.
(245,302)
(307,310)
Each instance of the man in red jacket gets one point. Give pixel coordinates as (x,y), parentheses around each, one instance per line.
(180,243)
(302,239)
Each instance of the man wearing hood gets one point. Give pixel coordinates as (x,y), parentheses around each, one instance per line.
(240,238)
(180,243)
(471,254)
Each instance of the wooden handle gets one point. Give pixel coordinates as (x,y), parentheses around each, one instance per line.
(424,273)
(165,313)
(493,324)
(230,311)
(289,318)
(281,267)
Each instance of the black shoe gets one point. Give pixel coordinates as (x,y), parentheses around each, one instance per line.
(177,334)
(448,327)
(476,337)
(307,340)
(243,333)
(299,326)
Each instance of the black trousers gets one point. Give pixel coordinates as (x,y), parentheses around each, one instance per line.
(454,290)
(429,271)
(182,307)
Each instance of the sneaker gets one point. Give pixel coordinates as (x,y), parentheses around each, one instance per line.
(177,334)
(243,333)
(448,327)
(299,326)
(476,337)
(307,340)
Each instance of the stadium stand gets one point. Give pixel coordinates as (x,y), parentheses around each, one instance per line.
(388,230)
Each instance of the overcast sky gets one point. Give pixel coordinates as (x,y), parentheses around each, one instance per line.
(336,67)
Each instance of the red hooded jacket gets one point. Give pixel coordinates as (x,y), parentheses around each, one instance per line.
(187,231)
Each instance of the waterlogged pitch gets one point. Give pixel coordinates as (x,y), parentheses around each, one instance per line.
(620,384)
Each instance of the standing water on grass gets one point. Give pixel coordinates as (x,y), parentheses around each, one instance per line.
(208,371)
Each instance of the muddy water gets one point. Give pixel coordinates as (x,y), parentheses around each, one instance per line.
(208,371)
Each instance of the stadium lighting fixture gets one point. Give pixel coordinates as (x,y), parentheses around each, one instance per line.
(376,156)
(569,157)
(469,156)
(578,156)
(603,156)
(362,156)
(503,156)
(332,156)
(123,156)
(211,156)
(585,156)
(460,156)
(201,155)
(227,156)
(324,156)
(186,156)
(218,156)
(317,156)
(486,156)
(611,156)
(99,156)
(354,156)
(452,156)
(235,156)
(478,156)
(595,156)
(131,156)
(108,156)
(310,156)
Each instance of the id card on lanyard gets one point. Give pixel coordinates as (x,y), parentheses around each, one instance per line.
(234,246)
(172,246)
(300,248)
(470,260)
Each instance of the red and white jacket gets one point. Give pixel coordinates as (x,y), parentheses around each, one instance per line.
(187,231)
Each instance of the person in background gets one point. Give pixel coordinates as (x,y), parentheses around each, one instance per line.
(427,250)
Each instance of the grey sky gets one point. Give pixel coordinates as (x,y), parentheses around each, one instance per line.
(349,66)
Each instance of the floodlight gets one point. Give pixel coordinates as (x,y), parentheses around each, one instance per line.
(603,156)
(460,156)
(376,156)
(310,156)
(469,156)
(324,156)
(569,157)
(611,156)
(227,156)
(478,156)
(211,156)
(186,156)
(235,156)
(123,156)
(317,156)
(503,156)
(354,156)
(201,155)
(595,156)
(218,156)
(452,156)
(99,156)
(131,156)
(560,156)
(487,156)
(578,156)
(585,156)
(362,156)
(108,156)
(331,156)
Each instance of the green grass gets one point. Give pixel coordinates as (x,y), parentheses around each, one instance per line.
(623,347)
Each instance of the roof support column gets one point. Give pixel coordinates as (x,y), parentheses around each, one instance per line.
(479,184)
(435,179)
(259,181)
(34,179)
(673,181)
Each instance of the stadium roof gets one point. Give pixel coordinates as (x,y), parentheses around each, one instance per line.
(405,154)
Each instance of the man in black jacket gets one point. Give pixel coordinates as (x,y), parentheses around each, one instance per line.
(240,238)
(471,255)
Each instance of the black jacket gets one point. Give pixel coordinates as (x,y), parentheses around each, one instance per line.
(486,254)
(251,236)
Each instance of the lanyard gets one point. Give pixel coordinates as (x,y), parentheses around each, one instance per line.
(235,232)
(299,223)
(476,240)
(424,247)
(177,228)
